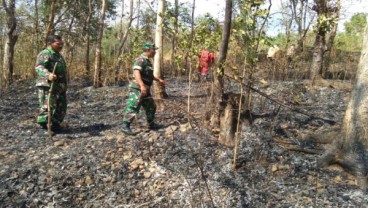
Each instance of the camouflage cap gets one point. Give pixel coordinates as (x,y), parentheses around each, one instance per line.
(149,45)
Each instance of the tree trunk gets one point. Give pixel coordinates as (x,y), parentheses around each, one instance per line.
(319,44)
(187,54)
(174,40)
(97,82)
(298,20)
(10,41)
(123,39)
(157,64)
(69,45)
(124,36)
(37,30)
(317,62)
(351,147)
(50,27)
(138,9)
(86,33)
(229,118)
(331,38)
(217,100)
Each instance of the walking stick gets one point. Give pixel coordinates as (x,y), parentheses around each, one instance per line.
(49,115)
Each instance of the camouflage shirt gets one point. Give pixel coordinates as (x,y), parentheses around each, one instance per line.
(45,63)
(144,65)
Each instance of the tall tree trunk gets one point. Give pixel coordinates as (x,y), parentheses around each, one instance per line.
(138,9)
(191,35)
(217,101)
(319,44)
(86,33)
(317,62)
(174,39)
(351,146)
(157,64)
(37,30)
(10,41)
(50,27)
(97,82)
(69,44)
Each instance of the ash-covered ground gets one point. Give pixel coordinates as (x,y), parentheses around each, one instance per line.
(93,164)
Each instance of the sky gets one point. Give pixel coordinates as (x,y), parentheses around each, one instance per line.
(217,9)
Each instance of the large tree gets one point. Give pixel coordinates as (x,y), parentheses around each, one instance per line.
(350,149)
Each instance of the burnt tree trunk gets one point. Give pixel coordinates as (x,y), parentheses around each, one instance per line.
(229,118)
(351,149)
(217,100)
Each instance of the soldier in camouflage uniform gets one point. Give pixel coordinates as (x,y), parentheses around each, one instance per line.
(139,90)
(46,61)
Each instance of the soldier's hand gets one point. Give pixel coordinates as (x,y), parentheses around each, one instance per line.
(52,77)
(143,90)
(162,82)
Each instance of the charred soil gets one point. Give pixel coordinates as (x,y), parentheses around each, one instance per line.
(93,164)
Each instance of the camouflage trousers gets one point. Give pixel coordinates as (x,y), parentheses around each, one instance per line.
(134,103)
(58,105)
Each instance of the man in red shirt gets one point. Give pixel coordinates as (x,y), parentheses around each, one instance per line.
(206,59)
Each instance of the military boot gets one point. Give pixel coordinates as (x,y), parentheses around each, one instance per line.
(43,125)
(154,127)
(126,129)
(44,129)
(56,127)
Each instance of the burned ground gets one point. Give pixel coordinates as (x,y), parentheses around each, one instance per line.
(93,164)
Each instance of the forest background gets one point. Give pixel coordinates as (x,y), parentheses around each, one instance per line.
(127,24)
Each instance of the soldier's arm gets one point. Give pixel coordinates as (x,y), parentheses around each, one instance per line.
(137,68)
(138,78)
(42,71)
